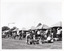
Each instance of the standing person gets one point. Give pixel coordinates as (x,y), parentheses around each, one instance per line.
(33,32)
(27,34)
(46,33)
(38,34)
(50,37)
(20,34)
(42,37)
(58,32)
(17,33)
(14,34)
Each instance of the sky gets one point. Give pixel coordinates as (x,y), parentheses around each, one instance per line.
(27,14)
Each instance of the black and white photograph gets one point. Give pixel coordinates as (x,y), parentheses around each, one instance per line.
(31,24)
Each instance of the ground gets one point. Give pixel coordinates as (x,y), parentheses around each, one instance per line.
(21,44)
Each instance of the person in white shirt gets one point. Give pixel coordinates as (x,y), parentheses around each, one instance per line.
(38,32)
(50,37)
(27,34)
(58,32)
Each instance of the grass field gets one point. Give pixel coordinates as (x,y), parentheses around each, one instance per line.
(21,44)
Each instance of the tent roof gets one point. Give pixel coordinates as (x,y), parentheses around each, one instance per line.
(42,27)
(23,28)
(39,27)
(45,26)
(39,24)
(33,28)
(59,24)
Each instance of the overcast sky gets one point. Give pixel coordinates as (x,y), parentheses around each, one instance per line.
(27,14)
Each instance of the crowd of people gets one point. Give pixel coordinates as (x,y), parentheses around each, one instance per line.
(36,36)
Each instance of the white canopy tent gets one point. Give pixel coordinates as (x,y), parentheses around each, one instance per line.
(45,26)
(59,24)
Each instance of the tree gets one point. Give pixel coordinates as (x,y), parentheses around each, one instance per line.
(13,28)
(5,28)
